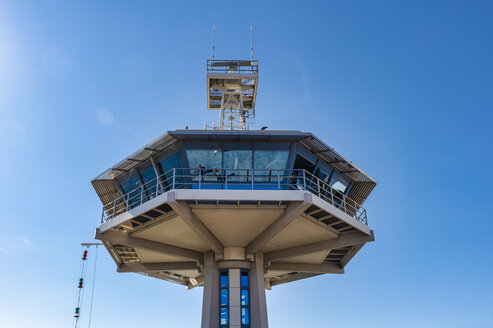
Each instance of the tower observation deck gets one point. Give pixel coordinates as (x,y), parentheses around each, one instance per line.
(231,210)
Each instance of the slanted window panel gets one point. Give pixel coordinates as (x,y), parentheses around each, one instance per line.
(245,299)
(167,165)
(237,166)
(150,183)
(269,164)
(132,189)
(339,185)
(206,166)
(224,299)
(303,180)
(323,186)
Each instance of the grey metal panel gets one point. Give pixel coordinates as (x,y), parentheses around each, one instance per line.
(360,191)
(106,190)
(138,157)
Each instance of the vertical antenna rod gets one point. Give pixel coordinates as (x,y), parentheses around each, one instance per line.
(213,40)
(251,42)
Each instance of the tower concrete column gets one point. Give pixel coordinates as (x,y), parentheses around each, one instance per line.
(210,305)
(258,303)
(234,298)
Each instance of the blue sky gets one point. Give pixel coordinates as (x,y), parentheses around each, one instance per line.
(401,88)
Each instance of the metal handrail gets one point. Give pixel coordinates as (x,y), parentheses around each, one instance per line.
(240,66)
(230,179)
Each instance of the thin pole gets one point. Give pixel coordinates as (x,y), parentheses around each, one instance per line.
(213,40)
(251,42)
(93,283)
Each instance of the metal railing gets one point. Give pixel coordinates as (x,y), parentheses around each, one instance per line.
(233,179)
(232,66)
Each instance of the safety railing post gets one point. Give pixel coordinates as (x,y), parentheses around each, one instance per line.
(252,180)
(200,177)
(114,208)
(174,175)
(304,180)
(278,180)
(318,186)
(226,179)
(102,216)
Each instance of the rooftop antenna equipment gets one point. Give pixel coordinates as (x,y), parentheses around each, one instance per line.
(232,89)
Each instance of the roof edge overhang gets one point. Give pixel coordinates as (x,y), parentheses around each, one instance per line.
(306,139)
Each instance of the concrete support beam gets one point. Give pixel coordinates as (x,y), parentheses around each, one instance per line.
(294,277)
(258,303)
(290,213)
(184,211)
(234,264)
(344,240)
(194,282)
(124,238)
(210,303)
(305,267)
(164,266)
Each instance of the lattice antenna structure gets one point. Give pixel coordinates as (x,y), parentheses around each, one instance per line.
(232,89)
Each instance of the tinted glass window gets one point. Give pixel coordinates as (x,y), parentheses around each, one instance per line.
(237,159)
(149,178)
(170,163)
(167,165)
(339,182)
(208,159)
(132,191)
(271,159)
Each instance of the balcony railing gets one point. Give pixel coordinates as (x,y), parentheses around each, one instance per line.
(232,66)
(233,179)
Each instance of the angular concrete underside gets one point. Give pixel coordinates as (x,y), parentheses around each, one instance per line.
(298,234)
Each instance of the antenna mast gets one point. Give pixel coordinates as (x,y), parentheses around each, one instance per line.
(213,40)
(232,89)
(251,42)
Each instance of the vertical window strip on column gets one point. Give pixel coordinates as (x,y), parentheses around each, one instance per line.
(224,299)
(245,299)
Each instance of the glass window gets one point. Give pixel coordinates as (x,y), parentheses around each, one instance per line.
(224,316)
(170,163)
(245,302)
(208,164)
(244,297)
(224,298)
(271,159)
(244,279)
(235,161)
(149,178)
(132,191)
(269,163)
(302,164)
(245,317)
(339,182)
(224,279)
(204,158)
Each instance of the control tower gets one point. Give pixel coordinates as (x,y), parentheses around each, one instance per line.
(231,210)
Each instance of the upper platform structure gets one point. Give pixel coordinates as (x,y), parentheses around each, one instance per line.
(282,197)
(232,89)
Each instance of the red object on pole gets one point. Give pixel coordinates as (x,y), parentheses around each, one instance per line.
(84,256)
